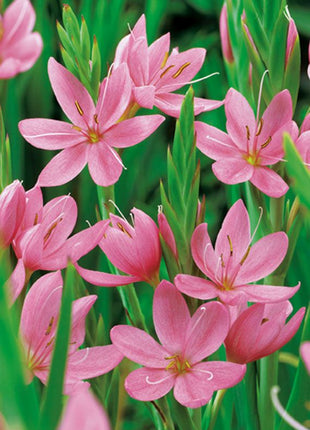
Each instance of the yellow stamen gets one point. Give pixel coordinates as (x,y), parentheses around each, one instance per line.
(122,228)
(222,261)
(50,342)
(245,255)
(96,118)
(49,328)
(78,107)
(164,60)
(267,142)
(166,70)
(260,126)
(230,245)
(35,222)
(52,227)
(181,70)
(75,127)
(247,132)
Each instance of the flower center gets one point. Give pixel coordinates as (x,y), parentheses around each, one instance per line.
(178,364)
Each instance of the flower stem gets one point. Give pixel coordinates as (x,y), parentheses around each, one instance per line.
(268,378)
(216,407)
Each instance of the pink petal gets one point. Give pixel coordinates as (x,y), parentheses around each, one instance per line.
(167,233)
(9,68)
(203,252)
(234,236)
(104,164)
(264,257)
(114,97)
(49,133)
(233,170)
(40,311)
(213,142)
(206,332)
(196,287)
(139,346)
(305,354)
(83,242)
(80,309)
(17,280)
(171,317)
(121,53)
(239,116)
(305,126)
(139,29)
(64,166)
(269,182)
(26,51)
(132,131)
(195,388)
(276,115)
(156,54)
(185,66)
(84,412)
(18,21)
(144,96)
(138,61)
(148,384)
(91,362)
(105,279)
(72,96)
(274,152)
(171,104)
(268,293)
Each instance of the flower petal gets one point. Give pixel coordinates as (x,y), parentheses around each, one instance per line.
(80,309)
(268,293)
(213,142)
(64,166)
(132,131)
(71,95)
(206,332)
(49,133)
(203,252)
(157,52)
(18,21)
(171,317)
(197,287)
(269,182)
(233,170)
(139,346)
(103,279)
(148,384)
(16,282)
(104,164)
(264,257)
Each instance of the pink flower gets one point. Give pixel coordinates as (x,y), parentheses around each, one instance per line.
(305,354)
(167,233)
(178,362)
(261,330)
(134,250)
(19,47)
(234,263)
(303,141)
(224,33)
(250,145)
(155,73)
(12,208)
(42,240)
(83,412)
(292,37)
(38,327)
(94,130)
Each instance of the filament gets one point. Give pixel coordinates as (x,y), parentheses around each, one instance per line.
(282,412)
(159,380)
(260,93)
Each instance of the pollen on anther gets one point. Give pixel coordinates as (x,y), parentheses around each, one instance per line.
(267,142)
(248,136)
(259,128)
(180,70)
(230,245)
(166,70)
(122,228)
(78,107)
(49,328)
(164,60)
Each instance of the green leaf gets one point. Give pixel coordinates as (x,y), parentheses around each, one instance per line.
(297,171)
(52,399)
(277,53)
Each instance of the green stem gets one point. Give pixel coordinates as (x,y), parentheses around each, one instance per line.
(251,390)
(105,196)
(163,409)
(216,407)
(268,378)
(181,416)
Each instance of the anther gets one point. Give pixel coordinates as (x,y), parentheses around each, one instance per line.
(178,72)
(164,60)
(230,245)
(75,127)
(264,320)
(49,328)
(222,260)
(248,136)
(35,222)
(50,342)
(267,142)
(96,118)
(78,107)
(165,71)
(52,227)
(259,128)
(122,228)
(245,255)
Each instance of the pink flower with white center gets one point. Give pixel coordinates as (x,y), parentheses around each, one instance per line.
(132,249)
(178,362)
(38,326)
(94,131)
(83,412)
(251,144)
(303,141)
(155,73)
(260,330)
(234,262)
(42,243)
(305,354)
(19,47)
(12,208)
